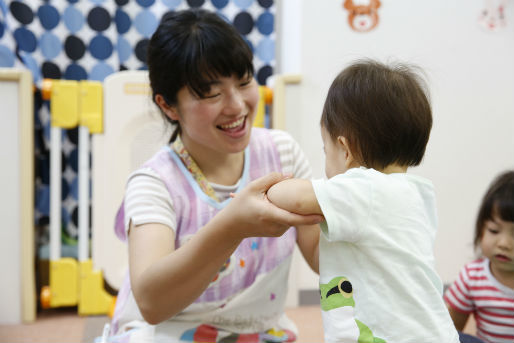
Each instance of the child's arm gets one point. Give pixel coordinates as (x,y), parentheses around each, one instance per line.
(295,195)
(459,301)
(308,243)
(459,318)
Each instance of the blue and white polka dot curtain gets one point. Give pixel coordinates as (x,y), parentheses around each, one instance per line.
(91,39)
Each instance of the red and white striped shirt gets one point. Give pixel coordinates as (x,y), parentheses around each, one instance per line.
(477,291)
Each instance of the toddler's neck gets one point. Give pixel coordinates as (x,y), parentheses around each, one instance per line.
(394,168)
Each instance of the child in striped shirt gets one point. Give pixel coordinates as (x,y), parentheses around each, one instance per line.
(485,287)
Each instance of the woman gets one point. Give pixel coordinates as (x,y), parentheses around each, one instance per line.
(203,266)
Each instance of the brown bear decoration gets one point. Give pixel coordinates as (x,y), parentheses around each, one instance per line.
(362,18)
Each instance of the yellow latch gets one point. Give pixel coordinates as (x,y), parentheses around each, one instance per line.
(64,282)
(90,106)
(93,299)
(64,104)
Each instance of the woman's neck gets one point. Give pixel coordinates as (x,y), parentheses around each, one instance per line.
(222,169)
(217,167)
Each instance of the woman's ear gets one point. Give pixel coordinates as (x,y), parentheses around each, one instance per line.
(345,146)
(170,111)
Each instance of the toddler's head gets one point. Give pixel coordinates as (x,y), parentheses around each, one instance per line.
(494,228)
(381,111)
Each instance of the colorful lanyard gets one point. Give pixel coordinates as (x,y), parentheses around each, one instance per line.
(193,168)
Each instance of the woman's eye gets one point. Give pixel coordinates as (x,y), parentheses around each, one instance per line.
(493,231)
(211,96)
(245,83)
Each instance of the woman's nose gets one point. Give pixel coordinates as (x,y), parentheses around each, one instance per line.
(234,103)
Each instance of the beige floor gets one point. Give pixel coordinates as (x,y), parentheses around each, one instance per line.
(51,326)
(65,326)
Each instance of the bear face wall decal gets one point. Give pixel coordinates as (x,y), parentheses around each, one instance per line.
(492,17)
(363,16)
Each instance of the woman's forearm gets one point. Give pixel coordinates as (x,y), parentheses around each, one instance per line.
(173,282)
(165,280)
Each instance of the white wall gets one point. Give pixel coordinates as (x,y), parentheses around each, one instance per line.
(9,206)
(471,77)
(18,298)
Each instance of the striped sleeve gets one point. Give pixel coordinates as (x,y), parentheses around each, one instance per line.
(458,296)
(492,302)
(147,200)
(292,158)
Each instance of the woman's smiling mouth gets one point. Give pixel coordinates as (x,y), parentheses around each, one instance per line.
(233,125)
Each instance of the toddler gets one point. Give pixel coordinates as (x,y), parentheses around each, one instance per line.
(485,287)
(377,276)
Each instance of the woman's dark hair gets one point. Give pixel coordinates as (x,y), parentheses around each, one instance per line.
(191,48)
(383,111)
(498,202)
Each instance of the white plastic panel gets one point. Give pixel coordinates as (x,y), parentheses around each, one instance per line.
(133,131)
(17,300)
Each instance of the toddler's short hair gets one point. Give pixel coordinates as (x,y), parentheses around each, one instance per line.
(382,110)
(498,202)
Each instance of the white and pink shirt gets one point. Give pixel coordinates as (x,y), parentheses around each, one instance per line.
(248,295)
(477,291)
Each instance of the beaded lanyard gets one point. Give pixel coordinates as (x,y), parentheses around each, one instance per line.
(193,168)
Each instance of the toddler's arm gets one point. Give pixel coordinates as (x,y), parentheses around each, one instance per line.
(295,195)
(459,318)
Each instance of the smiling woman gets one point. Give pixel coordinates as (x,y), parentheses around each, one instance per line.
(203,264)
(218,121)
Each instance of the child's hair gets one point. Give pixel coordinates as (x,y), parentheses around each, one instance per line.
(383,111)
(498,202)
(191,48)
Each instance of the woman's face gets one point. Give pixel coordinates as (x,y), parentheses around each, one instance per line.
(497,244)
(221,121)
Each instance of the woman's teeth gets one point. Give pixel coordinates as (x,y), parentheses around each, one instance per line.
(233,124)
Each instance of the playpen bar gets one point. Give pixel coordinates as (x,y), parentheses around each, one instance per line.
(55,193)
(83,220)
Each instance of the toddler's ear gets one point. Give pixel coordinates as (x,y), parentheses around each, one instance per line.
(345,146)
(169,111)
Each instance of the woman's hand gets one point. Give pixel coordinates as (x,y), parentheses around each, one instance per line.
(257,216)
(166,280)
